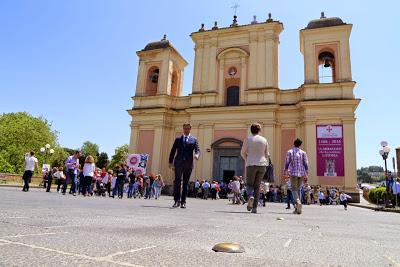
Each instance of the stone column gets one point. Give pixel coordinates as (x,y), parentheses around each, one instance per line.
(165,76)
(168,136)
(198,62)
(350,164)
(196,132)
(344,70)
(205,74)
(206,157)
(271,59)
(310,75)
(398,161)
(141,79)
(310,146)
(212,66)
(180,88)
(268,131)
(243,80)
(252,79)
(134,138)
(157,156)
(221,89)
(261,61)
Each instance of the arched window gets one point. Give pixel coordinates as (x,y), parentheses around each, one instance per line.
(152,81)
(326,68)
(232,96)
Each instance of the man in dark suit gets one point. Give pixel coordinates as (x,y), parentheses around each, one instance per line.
(181,158)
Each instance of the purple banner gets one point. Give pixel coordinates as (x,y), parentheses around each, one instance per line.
(330,153)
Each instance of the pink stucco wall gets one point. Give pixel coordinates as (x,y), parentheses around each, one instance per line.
(145,144)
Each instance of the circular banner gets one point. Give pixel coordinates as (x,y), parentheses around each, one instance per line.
(133,160)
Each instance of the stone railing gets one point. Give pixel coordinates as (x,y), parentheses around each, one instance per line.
(17,178)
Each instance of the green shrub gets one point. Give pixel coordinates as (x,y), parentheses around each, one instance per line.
(377,194)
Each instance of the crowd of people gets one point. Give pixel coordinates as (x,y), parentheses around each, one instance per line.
(91,181)
(88,180)
(235,192)
(101,182)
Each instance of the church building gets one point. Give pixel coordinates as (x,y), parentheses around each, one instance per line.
(236,83)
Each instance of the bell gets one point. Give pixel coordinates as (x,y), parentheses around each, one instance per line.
(327,58)
(327,63)
(154,78)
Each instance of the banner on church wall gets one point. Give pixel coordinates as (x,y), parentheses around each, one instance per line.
(330,152)
(138,162)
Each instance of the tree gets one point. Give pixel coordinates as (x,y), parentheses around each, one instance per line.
(119,156)
(70,151)
(364,177)
(375,169)
(20,133)
(102,160)
(89,148)
(59,157)
(5,167)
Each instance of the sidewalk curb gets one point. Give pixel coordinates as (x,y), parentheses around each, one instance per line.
(19,186)
(374,208)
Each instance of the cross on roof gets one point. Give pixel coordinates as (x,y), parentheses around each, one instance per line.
(235,7)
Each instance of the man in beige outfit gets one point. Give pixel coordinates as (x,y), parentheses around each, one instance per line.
(255,153)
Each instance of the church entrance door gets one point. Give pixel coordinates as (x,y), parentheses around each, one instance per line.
(228,167)
(227,161)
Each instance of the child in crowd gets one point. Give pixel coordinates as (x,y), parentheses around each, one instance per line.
(321,197)
(50,178)
(109,182)
(81,181)
(60,176)
(113,185)
(236,190)
(343,199)
(136,188)
(159,186)
(132,179)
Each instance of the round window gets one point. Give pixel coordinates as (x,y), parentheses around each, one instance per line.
(232,71)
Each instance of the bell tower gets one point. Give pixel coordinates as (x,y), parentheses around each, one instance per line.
(160,70)
(324,44)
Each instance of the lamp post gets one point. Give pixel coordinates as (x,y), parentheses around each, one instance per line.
(385,153)
(46,150)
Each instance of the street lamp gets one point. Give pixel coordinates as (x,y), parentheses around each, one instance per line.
(46,150)
(385,153)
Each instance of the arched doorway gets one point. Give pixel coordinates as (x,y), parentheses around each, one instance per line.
(227,161)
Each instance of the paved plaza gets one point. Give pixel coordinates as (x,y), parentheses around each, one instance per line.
(48,229)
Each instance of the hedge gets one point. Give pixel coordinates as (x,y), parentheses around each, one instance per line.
(377,193)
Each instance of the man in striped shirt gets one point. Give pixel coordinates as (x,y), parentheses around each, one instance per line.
(296,167)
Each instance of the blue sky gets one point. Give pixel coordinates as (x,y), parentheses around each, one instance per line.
(74,61)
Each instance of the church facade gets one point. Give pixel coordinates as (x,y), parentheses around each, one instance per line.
(235,83)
